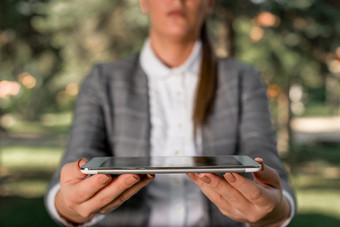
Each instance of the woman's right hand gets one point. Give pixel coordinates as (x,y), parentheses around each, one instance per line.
(80,197)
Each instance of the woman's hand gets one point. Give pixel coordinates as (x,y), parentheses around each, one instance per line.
(81,197)
(259,202)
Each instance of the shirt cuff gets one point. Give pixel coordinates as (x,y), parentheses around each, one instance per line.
(291,201)
(54,213)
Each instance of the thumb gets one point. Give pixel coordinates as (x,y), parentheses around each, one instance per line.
(267,176)
(71,171)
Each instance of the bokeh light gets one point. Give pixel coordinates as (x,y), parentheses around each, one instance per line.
(267,19)
(256,34)
(27,80)
(71,89)
(8,88)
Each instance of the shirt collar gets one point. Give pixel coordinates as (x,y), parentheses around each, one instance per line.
(154,67)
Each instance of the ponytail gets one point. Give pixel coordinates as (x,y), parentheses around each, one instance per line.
(206,87)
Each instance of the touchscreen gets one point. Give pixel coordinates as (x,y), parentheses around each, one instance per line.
(159,162)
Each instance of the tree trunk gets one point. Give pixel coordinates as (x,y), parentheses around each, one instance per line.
(332,94)
(284,117)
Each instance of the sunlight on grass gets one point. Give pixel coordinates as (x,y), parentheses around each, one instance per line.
(316,193)
(49,123)
(57,119)
(28,158)
(28,188)
(320,201)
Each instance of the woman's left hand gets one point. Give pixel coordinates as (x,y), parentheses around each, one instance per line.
(259,202)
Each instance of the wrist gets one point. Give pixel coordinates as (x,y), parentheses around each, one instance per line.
(67,213)
(277,217)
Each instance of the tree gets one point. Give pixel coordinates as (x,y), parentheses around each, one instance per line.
(25,57)
(49,46)
(88,32)
(291,42)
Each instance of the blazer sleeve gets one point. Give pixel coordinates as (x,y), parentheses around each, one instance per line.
(88,134)
(256,133)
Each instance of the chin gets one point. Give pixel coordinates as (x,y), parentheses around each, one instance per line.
(179,34)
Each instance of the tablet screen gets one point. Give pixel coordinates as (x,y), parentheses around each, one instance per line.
(159,162)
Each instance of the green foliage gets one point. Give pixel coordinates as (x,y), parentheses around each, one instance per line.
(296,47)
(288,41)
(58,41)
(88,32)
(304,153)
(25,50)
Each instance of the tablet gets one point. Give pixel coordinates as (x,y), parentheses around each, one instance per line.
(171,164)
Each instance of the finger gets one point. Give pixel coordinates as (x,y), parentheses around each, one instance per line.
(105,196)
(78,187)
(253,192)
(145,180)
(227,191)
(71,172)
(267,176)
(208,183)
(208,186)
(203,183)
(232,204)
(85,189)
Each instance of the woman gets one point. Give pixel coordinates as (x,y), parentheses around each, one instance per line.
(174,98)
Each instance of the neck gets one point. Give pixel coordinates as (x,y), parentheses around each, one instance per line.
(172,53)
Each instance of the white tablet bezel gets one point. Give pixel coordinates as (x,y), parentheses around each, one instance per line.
(248,165)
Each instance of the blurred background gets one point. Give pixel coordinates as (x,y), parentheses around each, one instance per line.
(47,47)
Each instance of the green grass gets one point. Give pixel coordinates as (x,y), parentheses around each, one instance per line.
(49,123)
(319,109)
(30,157)
(27,169)
(314,219)
(20,211)
(28,188)
(317,194)
(320,201)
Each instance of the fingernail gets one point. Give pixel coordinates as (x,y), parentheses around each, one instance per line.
(81,162)
(205,179)
(150,177)
(104,179)
(260,160)
(230,177)
(132,180)
(193,176)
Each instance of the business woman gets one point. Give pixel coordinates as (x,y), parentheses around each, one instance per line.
(173,98)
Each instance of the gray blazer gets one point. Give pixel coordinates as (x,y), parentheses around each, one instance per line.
(112,117)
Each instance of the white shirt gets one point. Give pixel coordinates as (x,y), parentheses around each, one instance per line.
(173,198)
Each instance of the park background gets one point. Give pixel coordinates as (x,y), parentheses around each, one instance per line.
(48,46)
